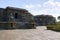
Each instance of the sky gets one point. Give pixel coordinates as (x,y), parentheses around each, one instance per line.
(35,7)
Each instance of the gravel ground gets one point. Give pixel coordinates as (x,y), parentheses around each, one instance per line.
(29,34)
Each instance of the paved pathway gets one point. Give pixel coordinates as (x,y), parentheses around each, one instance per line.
(29,34)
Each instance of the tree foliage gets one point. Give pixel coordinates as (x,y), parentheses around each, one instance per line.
(59,17)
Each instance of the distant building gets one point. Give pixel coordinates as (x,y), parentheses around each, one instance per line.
(42,20)
(11,17)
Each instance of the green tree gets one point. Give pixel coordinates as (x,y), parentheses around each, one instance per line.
(59,17)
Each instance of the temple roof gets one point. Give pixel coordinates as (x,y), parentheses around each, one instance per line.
(14,8)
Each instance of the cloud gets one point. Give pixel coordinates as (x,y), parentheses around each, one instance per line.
(32,6)
(49,4)
(29,6)
(52,6)
(45,12)
(38,5)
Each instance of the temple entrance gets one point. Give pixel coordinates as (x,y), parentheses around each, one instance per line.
(16,15)
(13,25)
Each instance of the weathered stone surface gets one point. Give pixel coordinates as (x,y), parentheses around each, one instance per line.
(12,17)
(44,20)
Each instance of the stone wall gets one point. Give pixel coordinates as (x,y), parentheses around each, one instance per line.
(15,18)
(44,20)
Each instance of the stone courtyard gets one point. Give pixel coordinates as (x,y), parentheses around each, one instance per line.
(40,33)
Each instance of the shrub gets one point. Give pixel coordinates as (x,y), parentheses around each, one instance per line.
(50,26)
(54,27)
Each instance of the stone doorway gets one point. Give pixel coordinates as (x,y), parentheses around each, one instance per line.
(13,25)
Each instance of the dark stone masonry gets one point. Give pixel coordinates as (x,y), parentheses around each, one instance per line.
(43,20)
(12,18)
(18,18)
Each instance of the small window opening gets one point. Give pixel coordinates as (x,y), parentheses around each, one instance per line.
(16,15)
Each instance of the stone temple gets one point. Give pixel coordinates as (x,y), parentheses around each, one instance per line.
(12,18)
